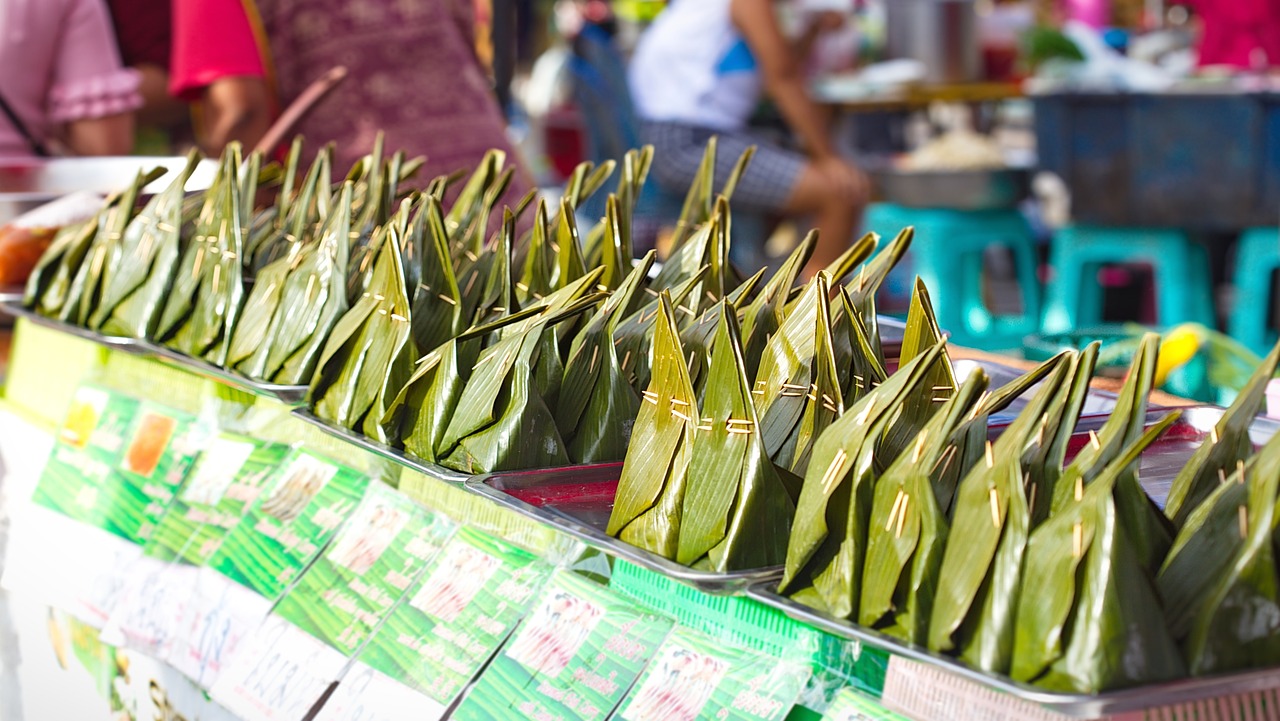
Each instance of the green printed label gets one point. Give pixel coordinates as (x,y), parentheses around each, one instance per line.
(694,678)
(849,705)
(86,450)
(303,504)
(465,604)
(371,563)
(228,476)
(162,444)
(574,657)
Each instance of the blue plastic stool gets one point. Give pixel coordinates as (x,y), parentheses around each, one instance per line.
(947,254)
(1257,257)
(1184,289)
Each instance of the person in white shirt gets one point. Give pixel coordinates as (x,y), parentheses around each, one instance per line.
(701,69)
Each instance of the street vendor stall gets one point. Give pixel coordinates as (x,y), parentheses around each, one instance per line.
(363,453)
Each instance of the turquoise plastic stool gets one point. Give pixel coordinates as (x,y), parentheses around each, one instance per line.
(948,255)
(1184,289)
(1257,257)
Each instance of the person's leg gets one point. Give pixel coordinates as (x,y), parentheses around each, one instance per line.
(835,194)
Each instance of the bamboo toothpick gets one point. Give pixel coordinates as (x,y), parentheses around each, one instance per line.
(1079,488)
(1093,441)
(1244,522)
(1077,539)
(991,460)
(834,471)
(995,507)
(902,515)
(893,512)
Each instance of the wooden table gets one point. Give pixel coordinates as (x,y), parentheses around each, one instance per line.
(919,96)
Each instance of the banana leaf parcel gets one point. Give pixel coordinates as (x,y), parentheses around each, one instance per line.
(1089,618)
(1219,584)
(736,512)
(646,512)
(1227,445)
(908,529)
(369,356)
(826,550)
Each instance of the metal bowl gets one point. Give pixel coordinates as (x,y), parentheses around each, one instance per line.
(27,184)
(953,189)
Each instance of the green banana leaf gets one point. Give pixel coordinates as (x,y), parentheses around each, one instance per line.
(697,207)
(826,550)
(538,277)
(597,405)
(1089,619)
(922,333)
(764,315)
(697,338)
(634,335)
(84,294)
(859,366)
(139,270)
(736,512)
(864,286)
(569,263)
(50,282)
(709,246)
(369,355)
(908,530)
(786,372)
(1228,445)
(437,300)
(823,399)
(651,490)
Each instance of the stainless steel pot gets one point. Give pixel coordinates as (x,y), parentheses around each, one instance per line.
(943,34)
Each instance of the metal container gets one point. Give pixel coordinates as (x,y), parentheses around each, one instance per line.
(953,189)
(396,455)
(28,184)
(942,34)
(578,502)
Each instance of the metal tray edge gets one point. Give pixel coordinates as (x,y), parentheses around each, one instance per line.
(1083,706)
(430,470)
(715,584)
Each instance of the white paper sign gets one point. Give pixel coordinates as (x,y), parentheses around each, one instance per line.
(278,675)
(366,694)
(217,619)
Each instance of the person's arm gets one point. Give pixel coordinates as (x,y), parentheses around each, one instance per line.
(781,73)
(234,108)
(110,135)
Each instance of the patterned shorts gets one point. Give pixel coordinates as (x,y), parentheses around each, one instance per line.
(765,186)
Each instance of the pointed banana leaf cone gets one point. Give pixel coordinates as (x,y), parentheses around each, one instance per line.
(634,335)
(829,534)
(921,334)
(908,529)
(762,317)
(973,613)
(709,246)
(698,337)
(538,276)
(597,405)
(204,305)
(736,513)
(369,356)
(295,303)
(437,300)
(699,203)
(646,512)
(136,280)
(1089,619)
(1219,584)
(502,420)
(84,295)
(50,282)
(858,363)
(823,400)
(1227,445)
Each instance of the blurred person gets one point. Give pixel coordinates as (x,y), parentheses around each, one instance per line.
(143,33)
(701,69)
(413,72)
(1243,34)
(63,87)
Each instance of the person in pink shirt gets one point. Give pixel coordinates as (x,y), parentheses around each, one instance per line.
(63,87)
(1239,33)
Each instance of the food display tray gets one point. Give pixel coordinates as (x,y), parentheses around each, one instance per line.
(578,501)
(967,686)
(287,394)
(396,455)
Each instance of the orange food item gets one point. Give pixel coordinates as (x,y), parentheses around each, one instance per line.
(20,250)
(149,442)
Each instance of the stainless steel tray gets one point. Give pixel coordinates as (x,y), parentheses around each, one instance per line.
(955,189)
(30,183)
(431,470)
(578,501)
(1084,706)
(289,395)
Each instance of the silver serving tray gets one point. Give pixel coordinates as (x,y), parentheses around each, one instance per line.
(1074,705)
(431,470)
(954,189)
(586,522)
(289,395)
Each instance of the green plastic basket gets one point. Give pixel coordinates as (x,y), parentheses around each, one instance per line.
(747,623)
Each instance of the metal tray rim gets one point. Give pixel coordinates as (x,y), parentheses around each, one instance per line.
(431,470)
(15,308)
(1083,706)
(715,584)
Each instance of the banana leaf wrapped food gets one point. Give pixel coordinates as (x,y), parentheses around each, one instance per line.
(1227,446)
(646,512)
(1219,584)
(294,305)
(203,307)
(634,336)
(736,509)
(138,271)
(908,528)
(1089,618)
(369,355)
(827,547)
